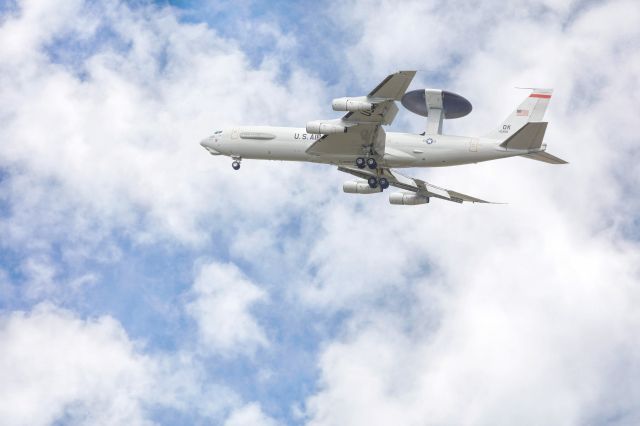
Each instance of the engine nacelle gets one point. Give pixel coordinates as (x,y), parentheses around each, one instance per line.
(405,199)
(325,128)
(353,105)
(355,187)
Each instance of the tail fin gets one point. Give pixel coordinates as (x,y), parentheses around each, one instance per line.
(532,109)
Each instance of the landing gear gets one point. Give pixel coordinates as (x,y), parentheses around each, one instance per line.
(235,165)
(372,163)
(374,182)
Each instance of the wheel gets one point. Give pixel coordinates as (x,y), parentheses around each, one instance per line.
(373,182)
(235,165)
(372,163)
(384,183)
(360,162)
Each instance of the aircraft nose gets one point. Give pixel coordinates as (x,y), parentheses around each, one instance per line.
(210,145)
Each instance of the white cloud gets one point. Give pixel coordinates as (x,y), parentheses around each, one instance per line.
(54,366)
(461,314)
(35,24)
(223,298)
(511,337)
(497,314)
(115,139)
(40,274)
(58,367)
(42,281)
(249,415)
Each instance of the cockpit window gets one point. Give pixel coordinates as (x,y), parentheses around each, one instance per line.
(218,132)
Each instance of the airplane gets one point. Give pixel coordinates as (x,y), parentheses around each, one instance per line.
(358,144)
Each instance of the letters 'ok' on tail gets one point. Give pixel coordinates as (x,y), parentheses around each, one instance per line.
(524,129)
(532,109)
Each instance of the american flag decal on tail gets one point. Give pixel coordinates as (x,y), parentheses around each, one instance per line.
(522,112)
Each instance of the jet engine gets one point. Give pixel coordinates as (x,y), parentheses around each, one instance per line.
(355,187)
(350,104)
(325,127)
(406,199)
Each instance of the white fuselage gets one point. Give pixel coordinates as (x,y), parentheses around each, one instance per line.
(401,149)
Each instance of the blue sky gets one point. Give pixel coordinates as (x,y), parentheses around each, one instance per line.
(142,280)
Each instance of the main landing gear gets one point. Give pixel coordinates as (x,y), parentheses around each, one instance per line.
(370,162)
(236,163)
(374,182)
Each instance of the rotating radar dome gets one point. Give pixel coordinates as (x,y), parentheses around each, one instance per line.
(421,100)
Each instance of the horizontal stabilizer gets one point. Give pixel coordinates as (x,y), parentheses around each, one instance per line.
(528,137)
(545,157)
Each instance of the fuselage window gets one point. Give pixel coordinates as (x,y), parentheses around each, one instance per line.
(257,135)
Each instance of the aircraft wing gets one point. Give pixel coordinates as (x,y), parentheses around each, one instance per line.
(418,186)
(391,89)
(364,127)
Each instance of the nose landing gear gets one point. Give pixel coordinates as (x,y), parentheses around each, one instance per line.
(236,163)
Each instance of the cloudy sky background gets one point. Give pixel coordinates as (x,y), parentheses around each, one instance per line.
(143,281)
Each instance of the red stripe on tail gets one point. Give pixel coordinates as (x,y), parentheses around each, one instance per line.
(539,95)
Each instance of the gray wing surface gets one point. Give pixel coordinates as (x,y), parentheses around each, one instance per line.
(391,89)
(417,186)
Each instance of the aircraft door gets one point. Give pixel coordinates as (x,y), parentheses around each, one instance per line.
(473,145)
(234,134)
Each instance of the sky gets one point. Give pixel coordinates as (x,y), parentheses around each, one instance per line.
(143,281)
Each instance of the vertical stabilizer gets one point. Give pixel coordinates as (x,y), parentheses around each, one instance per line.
(532,109)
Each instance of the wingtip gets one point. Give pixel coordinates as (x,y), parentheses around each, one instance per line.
(487,202)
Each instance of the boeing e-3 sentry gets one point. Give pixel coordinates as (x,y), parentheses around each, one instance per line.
(358,144)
